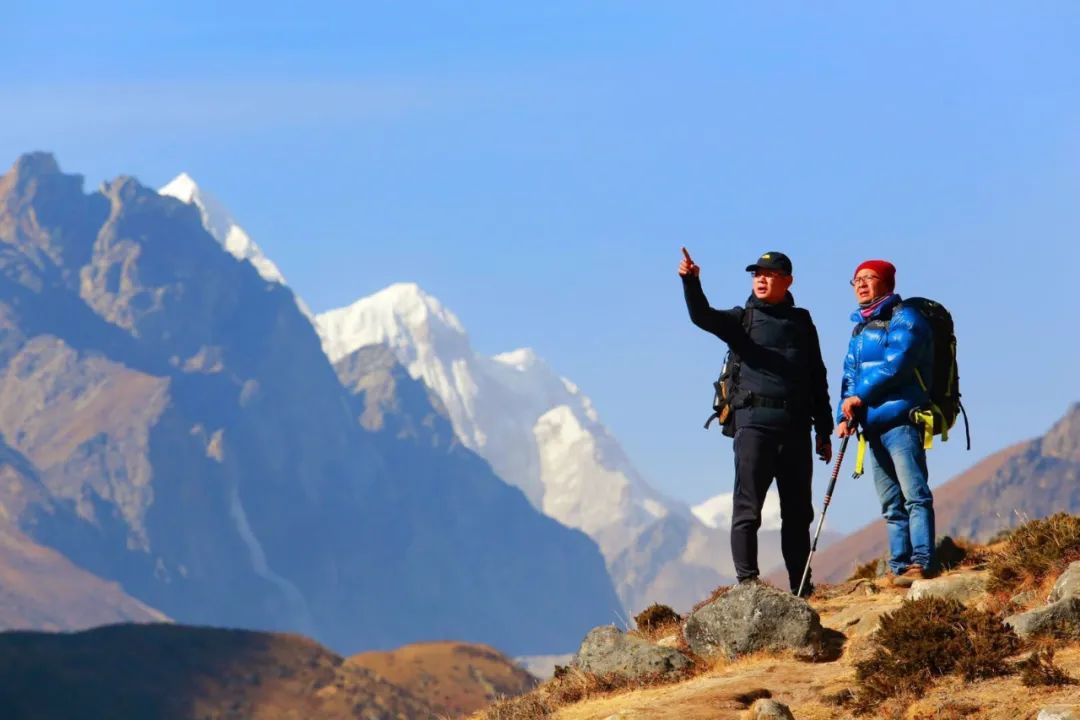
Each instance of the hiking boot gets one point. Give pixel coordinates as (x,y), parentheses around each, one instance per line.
(807,590)
(752,580)
(906,578)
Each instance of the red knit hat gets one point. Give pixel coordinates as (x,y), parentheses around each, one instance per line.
(883,269)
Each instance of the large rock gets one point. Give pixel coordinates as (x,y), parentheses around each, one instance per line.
(1059,712)
(607,649)
(962,587)
(769,710)
(1061,619)
(1068,585)
(754,617)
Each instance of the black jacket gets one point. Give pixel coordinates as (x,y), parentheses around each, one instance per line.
(780,359)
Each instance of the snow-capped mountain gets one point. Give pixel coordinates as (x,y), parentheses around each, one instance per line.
(221,225)
(537,429)
(716,511)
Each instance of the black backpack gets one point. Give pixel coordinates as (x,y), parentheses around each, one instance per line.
(726,386)
(943,387)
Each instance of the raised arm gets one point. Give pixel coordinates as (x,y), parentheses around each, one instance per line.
(725,324)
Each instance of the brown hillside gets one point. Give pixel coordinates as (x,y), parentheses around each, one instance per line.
(454,678)
(40,588)
(173,672)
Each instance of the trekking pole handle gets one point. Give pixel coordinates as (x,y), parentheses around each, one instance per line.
(835,471)
(836,466)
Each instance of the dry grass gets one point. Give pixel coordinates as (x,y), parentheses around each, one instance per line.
(572,685)
(1034,551)
(1039,669)
(950,662)
(867,571)
(1002,698)
(454,678)
(951,711)
(657,621)
(525,707)
(929,638)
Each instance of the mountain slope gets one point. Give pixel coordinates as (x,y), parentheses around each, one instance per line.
(541,434)
(189,441)
(220,224)
(538,431)
(454,678)
(40,588)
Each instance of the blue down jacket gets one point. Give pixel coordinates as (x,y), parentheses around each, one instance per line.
(880,365)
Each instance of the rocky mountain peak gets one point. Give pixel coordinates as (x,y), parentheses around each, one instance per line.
(28,173)
(220,224)
(185,438)
(35,164)
(1063,439)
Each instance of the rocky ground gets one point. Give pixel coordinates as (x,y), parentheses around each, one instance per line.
(758,652)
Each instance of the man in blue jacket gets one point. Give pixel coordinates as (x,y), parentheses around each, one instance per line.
(879,392)
(781,392)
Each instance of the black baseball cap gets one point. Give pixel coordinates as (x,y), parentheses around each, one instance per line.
(772,260)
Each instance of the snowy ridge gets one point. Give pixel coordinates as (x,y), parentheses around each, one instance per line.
(537,429)
(220,224)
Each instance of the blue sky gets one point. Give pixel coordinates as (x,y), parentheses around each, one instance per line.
(537,166)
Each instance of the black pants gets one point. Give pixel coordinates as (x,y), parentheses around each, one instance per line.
(760,456)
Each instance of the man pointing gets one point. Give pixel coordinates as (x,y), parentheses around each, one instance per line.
(780,391)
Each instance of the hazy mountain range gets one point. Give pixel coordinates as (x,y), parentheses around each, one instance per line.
(171,425)
(537,429)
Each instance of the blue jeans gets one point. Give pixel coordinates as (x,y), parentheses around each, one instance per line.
(897,461)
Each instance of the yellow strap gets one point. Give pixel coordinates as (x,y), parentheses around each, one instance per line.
(928,441)
(926,419)
(860,456)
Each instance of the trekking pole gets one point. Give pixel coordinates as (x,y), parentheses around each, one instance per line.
(828,498)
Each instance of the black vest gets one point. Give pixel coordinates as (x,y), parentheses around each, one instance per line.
(774,388)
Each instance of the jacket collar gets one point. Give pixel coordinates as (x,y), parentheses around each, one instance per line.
(753,302)
(883,308)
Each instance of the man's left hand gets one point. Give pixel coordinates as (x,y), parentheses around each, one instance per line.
(849,405)
(824,448)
